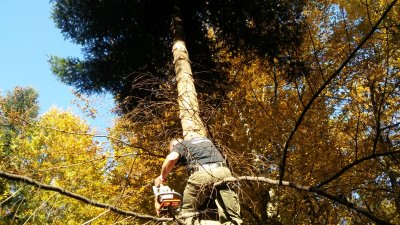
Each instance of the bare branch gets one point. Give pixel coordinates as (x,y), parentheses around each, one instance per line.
(351,165)
(19,178)
(71,132)
(390,126)
(350,205)
(148,152)
(263,179)
(336,199)
(39,208)
(96,217)
(81,198)
(322,88)
(87,161)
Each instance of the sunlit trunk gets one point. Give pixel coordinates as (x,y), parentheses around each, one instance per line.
(192,124)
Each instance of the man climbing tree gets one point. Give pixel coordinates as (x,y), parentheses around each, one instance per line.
(205,165)
(204,162)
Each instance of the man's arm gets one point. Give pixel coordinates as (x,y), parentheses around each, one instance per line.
(166,168)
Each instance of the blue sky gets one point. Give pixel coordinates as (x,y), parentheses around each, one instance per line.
(28,37)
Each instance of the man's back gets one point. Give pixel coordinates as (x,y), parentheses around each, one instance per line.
(198,151)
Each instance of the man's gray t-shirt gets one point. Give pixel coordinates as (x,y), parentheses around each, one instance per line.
(197,151)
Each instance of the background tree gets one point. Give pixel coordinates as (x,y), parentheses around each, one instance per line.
(17,106)
(48,149)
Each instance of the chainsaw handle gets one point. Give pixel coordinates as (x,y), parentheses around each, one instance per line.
(159,181)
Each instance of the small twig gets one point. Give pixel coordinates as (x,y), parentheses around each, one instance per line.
(85,162)
(16,192)
(120,221)
(37,209)
(96,217)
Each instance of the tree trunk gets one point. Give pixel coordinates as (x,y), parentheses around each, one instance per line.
(189,113)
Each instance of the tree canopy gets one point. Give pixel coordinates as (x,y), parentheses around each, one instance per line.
(321,148)
(126,44)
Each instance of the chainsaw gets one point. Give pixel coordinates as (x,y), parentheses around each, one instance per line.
(169,200)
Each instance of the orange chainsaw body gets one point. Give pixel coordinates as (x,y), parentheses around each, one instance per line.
(168,199)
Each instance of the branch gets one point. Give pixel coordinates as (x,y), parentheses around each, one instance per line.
(87,161)
(9,197)
(350,205)
(148,152)
(351,165)
(322,88)
(263,179)
(81,133)
(19,178)
(72,132)
(336,199)
(96,217)
(390,126)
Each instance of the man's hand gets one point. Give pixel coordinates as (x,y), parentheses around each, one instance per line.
(158,181)
(157,206)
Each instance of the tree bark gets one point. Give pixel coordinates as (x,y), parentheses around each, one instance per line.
(189,112)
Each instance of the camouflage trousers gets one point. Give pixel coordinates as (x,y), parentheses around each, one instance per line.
(198,190)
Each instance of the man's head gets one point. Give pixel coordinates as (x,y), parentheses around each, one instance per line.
(173,142)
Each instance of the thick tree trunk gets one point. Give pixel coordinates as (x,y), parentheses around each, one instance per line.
(189,112)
